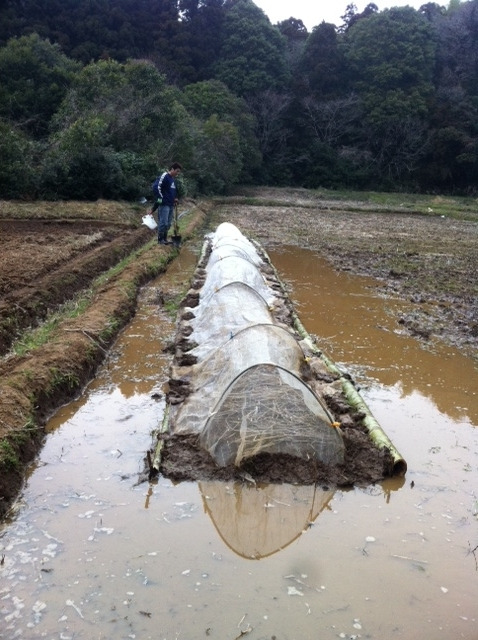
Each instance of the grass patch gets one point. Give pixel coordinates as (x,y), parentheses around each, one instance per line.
(171,305)
(112,327)
(459,208)
(12,444)
(62,380)
(8,455)
(34,338)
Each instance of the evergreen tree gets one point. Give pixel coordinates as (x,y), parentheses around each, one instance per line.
(112,120)
(212,99)
(295,33)
(253,52)
(322,66)
(34,77)
(391,57)
(452,161)
(202,22)
(18,178)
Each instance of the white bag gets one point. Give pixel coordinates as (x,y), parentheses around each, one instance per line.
(149,221)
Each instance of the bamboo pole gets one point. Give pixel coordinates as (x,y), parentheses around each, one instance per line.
(355,400)
(159,446)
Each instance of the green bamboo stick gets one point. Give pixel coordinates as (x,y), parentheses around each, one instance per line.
(159,446)
(355,400)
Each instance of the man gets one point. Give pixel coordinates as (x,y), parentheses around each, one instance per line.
(166,201)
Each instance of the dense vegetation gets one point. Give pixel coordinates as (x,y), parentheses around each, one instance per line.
(97,95)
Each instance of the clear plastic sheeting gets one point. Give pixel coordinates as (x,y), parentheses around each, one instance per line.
(269,410)
(247,396)
(235,269)
(229,241)
(230,310)
(257,344)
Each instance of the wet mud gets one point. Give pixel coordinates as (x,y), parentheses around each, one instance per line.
(183,458)
(90,551)
(64,258)
(433,254)
(426,258)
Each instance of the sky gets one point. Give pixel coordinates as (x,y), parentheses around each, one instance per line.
(312,12)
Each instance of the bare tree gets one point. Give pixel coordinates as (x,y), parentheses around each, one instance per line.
(331,120)
(269,109)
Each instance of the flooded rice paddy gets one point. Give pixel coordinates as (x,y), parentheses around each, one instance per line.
(93,553)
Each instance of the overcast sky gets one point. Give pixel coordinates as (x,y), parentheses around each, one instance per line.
(312,12)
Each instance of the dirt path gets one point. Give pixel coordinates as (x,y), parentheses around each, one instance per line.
(53,251)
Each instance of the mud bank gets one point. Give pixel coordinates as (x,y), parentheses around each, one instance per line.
(238,340)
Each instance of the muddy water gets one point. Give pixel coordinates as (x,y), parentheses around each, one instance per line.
(91,553)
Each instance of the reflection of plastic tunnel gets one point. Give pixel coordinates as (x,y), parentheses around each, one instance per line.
(256,522)
(248,397)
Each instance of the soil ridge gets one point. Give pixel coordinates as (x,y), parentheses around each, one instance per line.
(33,386)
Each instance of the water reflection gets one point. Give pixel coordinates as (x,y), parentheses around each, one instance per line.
(387,487)
(257,521)
(92,554)
(354,325)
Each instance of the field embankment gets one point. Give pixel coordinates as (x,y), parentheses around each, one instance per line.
(69,278)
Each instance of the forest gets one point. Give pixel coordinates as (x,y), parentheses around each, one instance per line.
(97,96)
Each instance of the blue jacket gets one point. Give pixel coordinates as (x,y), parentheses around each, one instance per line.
(167,189)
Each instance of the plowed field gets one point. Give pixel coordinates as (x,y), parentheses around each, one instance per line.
(86,261)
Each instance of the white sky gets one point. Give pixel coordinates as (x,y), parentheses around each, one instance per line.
(312,12)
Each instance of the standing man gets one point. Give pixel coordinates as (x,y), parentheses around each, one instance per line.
(167,199)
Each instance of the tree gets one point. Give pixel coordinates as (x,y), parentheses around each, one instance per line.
(458,52)
(18,177)
(325,110)
(35,76)
(90,29)
(452,159)
(432,11)
(217,156)
(293,29)
(213,99)
(132,100)
(202,25)
(332,121)
(321,66)
(271,110)
(116,122)
(295,33)
(351,15)
(253,53)
(391,59)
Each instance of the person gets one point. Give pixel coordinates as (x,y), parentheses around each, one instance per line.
(166,200)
